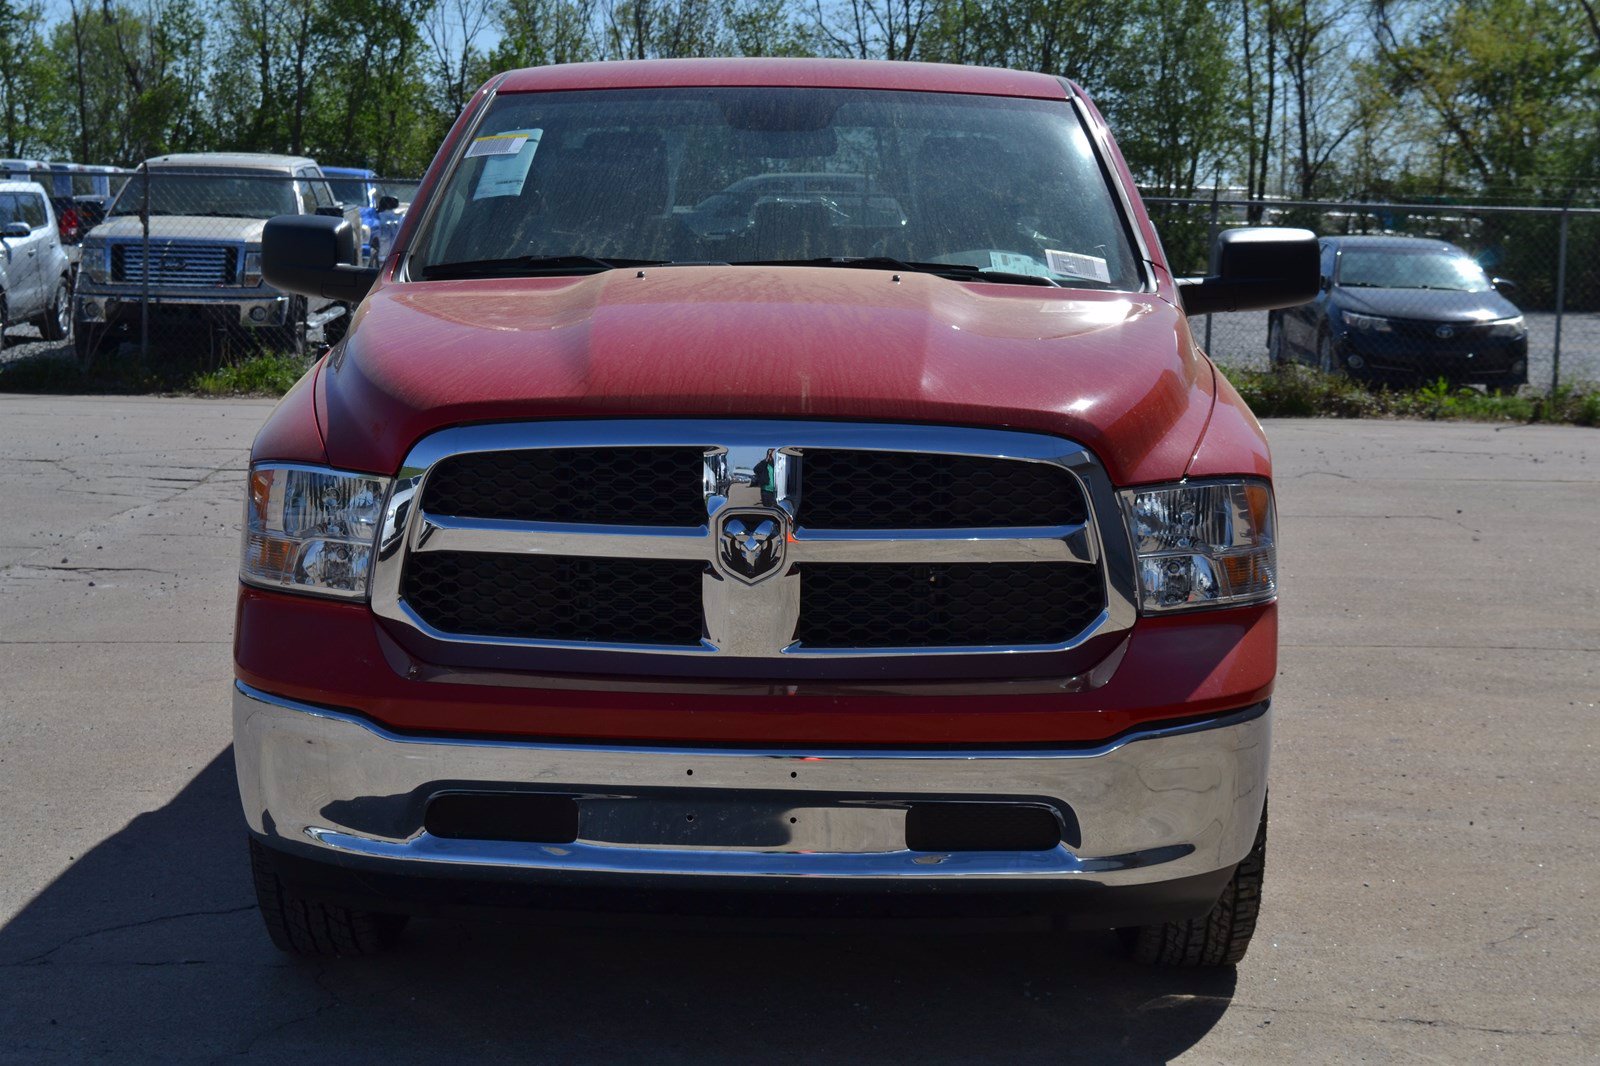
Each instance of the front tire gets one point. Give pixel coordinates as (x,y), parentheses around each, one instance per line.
(290,338)
(1221,936)
(56,322)
(1277,353)
(302,926)
(1327,359)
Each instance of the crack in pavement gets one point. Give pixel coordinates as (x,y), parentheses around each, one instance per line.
(1432,1023)
(318,978)
(97,569)
(42,958)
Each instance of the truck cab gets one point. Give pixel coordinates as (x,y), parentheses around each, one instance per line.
(889,538)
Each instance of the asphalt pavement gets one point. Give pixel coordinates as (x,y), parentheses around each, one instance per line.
(1431,871)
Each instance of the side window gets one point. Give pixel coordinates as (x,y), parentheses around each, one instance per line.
(1328,257)
(321,195)
(10,210)
(33,211)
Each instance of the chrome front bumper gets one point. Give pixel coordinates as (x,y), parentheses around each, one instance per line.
(1150,807)
(250,306)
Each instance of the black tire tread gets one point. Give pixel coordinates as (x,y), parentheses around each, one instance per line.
(303,926)
(1222,935)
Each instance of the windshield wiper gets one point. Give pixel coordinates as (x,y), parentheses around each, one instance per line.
(531,266)
(954,271)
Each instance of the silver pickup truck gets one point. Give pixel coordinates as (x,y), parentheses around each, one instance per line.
(199,269)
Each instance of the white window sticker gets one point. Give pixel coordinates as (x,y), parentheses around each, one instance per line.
(498,144)
(509,157)
(1073,265)
(1015,263)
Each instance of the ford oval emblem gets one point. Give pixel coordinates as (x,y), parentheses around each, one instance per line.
(1445,332)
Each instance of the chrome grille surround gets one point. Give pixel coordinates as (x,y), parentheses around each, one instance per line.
(201,264)
(745,619)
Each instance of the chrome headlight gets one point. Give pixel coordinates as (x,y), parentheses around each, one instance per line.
(311,529)
(1203,543)
(252,268)
(95,261)
(1508,327)
(1366,323)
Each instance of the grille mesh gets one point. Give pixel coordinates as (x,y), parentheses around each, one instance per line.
(178,264)
(918,605)
(844,489)
(554,597)
(612,486)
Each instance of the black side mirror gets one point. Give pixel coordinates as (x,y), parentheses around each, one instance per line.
(1256,269)
(1503,286)
(388,203)
(15,231)
(314,256)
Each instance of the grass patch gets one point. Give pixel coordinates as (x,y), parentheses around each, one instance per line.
(261,374)
(1300,392)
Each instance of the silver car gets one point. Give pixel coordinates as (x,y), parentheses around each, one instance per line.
(35,275)
(198,273)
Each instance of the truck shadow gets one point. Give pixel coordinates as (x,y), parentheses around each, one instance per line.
(149,947)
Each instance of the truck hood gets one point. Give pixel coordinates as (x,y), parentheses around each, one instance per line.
(181,227)
(1116,372)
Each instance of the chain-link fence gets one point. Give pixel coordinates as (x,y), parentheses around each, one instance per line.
(165,262)
(1412,293)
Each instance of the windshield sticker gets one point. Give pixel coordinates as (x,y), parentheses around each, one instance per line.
(1016,263)
(509,157)
(498,144)
(1073,265)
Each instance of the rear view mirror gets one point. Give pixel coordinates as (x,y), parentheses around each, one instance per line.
(388,203)
(1256,269)
(1503,286)
(15,231)
(314,255)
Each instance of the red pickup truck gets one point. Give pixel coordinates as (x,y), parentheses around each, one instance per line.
(784,476)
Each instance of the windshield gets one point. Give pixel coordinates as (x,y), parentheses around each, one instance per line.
(223,193)
(1391,268)
(352,192)
(741,175)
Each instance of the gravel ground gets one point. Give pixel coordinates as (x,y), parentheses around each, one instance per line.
(1430,883)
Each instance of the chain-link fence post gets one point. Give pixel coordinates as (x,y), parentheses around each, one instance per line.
(1211,242)
(1561,296)
(144,288)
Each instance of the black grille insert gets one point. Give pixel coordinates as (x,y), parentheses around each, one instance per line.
(845,489)
(922,605)
(611,486)
(557,597)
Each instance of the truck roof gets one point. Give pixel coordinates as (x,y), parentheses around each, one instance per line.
(255,160)
(796,73)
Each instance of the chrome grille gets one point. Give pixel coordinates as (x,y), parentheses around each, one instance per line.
(752,542)
(175,263)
